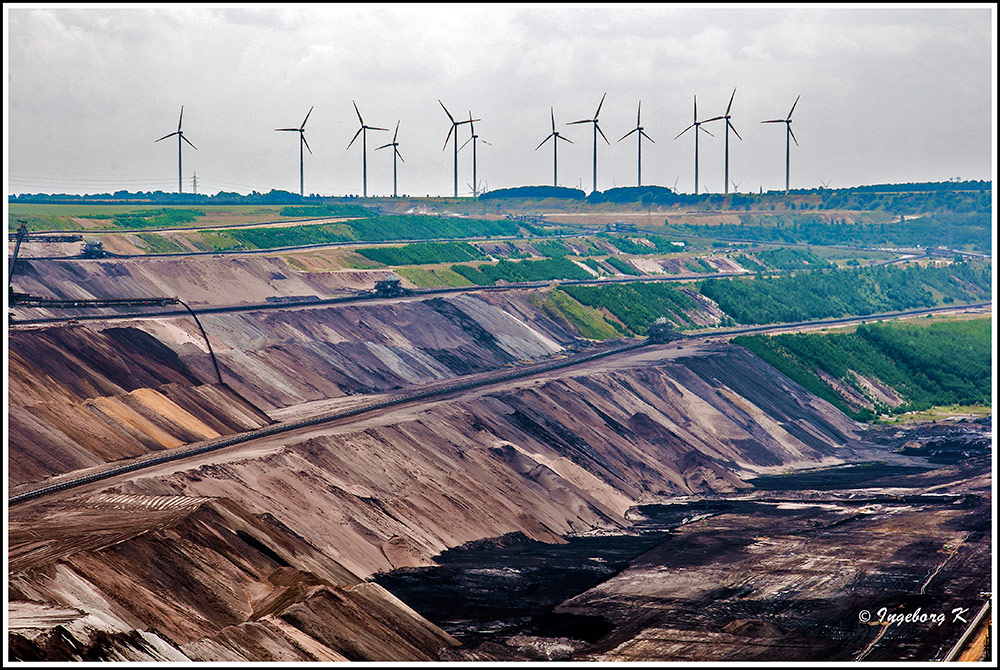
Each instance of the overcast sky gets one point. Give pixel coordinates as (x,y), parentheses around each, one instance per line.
(887,95)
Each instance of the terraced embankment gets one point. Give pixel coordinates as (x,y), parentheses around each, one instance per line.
(79,398)
(260,548)
(137,578)
(198,280)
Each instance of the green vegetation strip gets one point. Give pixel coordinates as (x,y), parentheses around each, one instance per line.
(622,266)
(637,305)
(836,293)
(432,277)
(521,271)
(585,320)
(423,253)
(946,363)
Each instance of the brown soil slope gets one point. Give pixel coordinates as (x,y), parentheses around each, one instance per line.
(177,578)
(547,456)
(80,398)
(83,395)
(198,280)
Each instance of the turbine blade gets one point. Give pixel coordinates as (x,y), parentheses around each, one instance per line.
(714,118)
(446,111)
(374,128)
(464,143)
(472,126)
(166,136)
(638,114)
(792,134)
(291,129)
(553,134)
(449,135)
(196,148)
(484,141)
(553,113)
(696,108)
(181,118)
(597,114)
(734,129)
(355,136)
(730,106)
(395,133)
(571,123)
(358,113)
(628,133)
(774,121)
(303,127)
(643,133)
(596,125)
(400,155)
(705,130)
(384,146)
(303,136)
(793,107)
(560,137)
(685,130)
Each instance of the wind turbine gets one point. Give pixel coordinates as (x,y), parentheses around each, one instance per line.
(736,185)
(180,136)
(555,147)
(729,124)
(788,134)
(301,130)
(363,131)
(597,129)
(454,128)
(697,126)
(642,133)
(473,139)
(395,148)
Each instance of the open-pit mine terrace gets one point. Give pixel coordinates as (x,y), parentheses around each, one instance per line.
(631,473)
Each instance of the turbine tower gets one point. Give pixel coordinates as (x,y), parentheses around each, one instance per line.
(395,148)
(555,147)
(788,134)
(697,126)
(597,129)
(301,130)
(472,127)
(363,131)
(180,136)
(454,128)
(729,124)
(642,133)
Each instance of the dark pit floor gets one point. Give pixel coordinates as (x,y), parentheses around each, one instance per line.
(490,592)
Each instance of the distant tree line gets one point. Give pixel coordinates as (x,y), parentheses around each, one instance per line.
(534,192)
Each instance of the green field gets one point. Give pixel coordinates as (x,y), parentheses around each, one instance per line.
(102,217)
